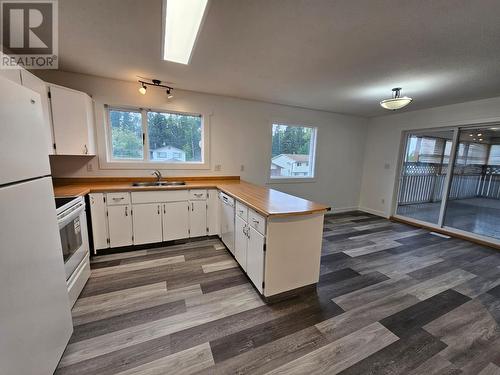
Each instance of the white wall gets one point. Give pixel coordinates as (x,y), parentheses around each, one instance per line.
(240,135)
(384,139)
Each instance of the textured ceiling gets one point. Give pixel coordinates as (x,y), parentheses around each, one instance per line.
(335,55)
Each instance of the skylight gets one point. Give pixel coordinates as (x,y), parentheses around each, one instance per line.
(182,21)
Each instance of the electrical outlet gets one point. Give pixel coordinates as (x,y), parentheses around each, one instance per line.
(90,167)
(218,167)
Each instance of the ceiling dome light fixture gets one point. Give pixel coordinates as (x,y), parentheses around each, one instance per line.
(155,83)
(397,101)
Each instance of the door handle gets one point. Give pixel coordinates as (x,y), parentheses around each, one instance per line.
(192,206)
(85,149)
(126,210)
(158,209)
(118,199)
(164,209)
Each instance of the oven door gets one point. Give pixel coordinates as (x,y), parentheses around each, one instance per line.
(71,226)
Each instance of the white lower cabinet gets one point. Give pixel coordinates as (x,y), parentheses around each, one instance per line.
(241,242)
(175,220)
(120,225)
(250,243)
(255,258)
(125,218)
(198,218)
(213,212)
(99,221)
(147,223)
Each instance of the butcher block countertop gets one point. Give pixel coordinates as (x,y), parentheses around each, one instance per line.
(266,201)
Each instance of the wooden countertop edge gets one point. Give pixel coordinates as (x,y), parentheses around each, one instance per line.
(72,189)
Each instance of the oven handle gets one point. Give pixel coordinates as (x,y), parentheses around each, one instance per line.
(71,215)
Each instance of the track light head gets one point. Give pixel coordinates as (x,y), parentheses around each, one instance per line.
(170,94)
(142,89)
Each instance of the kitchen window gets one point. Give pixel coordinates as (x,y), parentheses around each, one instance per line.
(155,138)
(293,152)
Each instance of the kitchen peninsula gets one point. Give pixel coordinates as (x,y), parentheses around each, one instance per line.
(275,237)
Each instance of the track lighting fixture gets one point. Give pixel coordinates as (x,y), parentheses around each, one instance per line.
(155,83)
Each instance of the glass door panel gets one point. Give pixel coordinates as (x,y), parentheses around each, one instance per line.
(474,196)
(423,174)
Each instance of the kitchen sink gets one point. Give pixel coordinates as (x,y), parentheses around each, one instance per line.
(159,183)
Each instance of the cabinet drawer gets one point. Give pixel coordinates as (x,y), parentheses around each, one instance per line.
(257,221)
(113,199)
(159,196)
(198,194)
(242,211)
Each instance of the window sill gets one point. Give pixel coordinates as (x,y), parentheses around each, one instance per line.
(297,180)
(152,165)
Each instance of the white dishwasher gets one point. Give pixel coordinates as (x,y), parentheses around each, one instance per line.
(227,221)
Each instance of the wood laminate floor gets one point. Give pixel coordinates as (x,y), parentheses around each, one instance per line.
(392,299)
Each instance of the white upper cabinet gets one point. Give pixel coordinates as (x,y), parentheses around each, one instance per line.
(73,121)
(36,84)
(11,74)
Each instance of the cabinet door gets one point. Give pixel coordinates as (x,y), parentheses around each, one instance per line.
(98,220)
(147,223)
(70,119)
(198,218)
(36,84)
(12,75)
(213,213)
(255,258)
(240,242)
(120,225)
(175,220)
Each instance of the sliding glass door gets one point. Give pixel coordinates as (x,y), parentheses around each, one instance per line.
(451,178)
(423,174)
(474,194)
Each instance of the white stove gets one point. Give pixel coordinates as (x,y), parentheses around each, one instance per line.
(72,222)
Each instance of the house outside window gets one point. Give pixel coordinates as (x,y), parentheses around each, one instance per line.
(293,152)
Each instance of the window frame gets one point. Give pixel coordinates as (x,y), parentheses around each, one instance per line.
(146,163)
(312,155)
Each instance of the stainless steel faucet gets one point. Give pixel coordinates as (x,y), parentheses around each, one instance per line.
(158,175)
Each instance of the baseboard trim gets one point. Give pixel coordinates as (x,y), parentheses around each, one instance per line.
(373,212)
(340,210)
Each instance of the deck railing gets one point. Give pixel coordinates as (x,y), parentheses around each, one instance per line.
(424,182)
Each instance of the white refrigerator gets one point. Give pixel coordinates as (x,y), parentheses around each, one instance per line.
(35,318)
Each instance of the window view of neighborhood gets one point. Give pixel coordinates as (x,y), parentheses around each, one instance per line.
(172,137)
(292,151)
(126,135)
